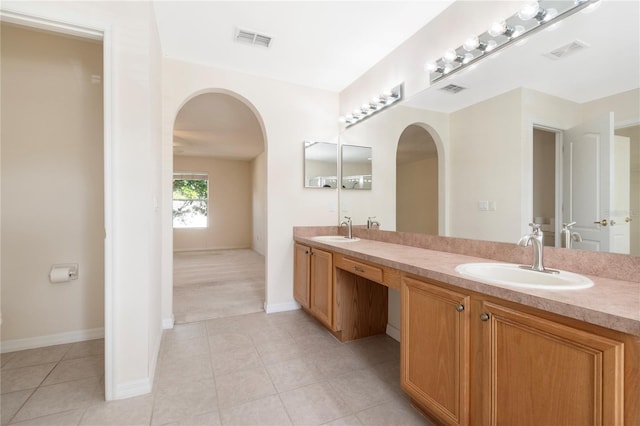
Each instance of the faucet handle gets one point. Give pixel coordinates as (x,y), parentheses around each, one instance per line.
(348,217)
(568,225)
(535,226)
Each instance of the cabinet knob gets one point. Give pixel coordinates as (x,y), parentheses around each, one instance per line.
(459,307)
(484,317)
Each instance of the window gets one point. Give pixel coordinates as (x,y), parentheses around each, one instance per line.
(190,200)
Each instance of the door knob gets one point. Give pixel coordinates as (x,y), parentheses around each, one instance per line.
(602,222)
(627,219)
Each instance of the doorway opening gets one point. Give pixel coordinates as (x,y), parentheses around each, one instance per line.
(547,205)
(417,182)
(219,208)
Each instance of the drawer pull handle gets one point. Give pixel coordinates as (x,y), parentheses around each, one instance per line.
(484,317)
(357,269)
(459,307)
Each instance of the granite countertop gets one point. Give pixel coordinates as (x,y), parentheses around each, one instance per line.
(610,303)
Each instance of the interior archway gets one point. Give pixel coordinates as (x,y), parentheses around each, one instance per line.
(417,182)
(219,236)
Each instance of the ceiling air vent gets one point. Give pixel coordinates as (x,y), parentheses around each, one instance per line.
(452,88)
(252,37)
(567,49)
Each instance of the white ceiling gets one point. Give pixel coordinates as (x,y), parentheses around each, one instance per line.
(320,44)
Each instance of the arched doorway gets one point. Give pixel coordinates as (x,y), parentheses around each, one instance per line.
(219,208)
(417,182)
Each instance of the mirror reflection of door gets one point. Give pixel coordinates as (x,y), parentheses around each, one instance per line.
(416,182)
(544,183)
(597,185)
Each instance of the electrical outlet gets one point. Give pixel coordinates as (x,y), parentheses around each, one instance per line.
(483,206)
(492,206)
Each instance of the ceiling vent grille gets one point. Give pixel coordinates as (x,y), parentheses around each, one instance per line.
(252,37)
(452,88)
(567,49)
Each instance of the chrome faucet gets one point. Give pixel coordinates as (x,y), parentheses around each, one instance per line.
(569,235)
(349,228)
(371,223)
(536,240)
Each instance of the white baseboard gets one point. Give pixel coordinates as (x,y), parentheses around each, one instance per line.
(168,323)
(133,388)
(281,307)
(51,339)
(393,332)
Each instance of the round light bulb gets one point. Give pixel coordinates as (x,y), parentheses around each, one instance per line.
(468,57)
(491,44)
(551,13)
(450,56)
(529,11)
(342,119)
(498,28)
(471,43)
(431,67)
(518,30)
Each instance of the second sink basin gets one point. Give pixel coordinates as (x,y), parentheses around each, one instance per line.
(335,239)
(512,275)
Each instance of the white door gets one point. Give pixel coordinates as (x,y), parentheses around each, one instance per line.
(596,185)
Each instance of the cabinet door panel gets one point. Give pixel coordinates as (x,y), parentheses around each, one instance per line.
(435,349)
(301,265)
(542,372)
(321,297)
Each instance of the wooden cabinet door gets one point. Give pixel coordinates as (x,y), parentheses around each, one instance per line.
(538,372)
(321,286)
(435,350)
(301,272)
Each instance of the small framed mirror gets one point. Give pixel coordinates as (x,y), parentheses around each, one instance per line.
(356,167)
(320,165)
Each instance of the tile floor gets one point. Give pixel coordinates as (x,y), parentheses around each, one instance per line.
(254,369)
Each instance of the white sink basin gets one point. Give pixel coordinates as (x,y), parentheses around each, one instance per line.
(512,275)
(334,239)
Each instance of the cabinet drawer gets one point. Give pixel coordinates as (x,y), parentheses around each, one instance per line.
(373,273)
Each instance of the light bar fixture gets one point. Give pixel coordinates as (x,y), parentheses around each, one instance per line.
(531,18)
(376,104)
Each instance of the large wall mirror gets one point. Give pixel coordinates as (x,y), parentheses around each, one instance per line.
(573,87)
(320,165)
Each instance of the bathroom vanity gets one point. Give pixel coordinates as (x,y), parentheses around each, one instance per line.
(475,353)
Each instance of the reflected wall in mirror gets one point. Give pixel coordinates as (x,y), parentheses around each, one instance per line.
(485,133)
(417,182)
(320,165)
(356,167)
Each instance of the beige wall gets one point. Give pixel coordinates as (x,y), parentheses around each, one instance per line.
(230,213)
(52,184)
(417,196)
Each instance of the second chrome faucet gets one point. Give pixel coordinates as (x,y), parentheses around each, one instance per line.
(349,226)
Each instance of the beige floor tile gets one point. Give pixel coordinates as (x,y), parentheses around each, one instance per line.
(243,386)
(236,360)
(15,379)
(4,358)
(272,352)
(130,412)
(389,372)
(74,369)
(345,421)
(184,348)
(62,397)
(314,404)
(316,342)
(265,333)
(86,349)
(224,342)
(211,418)
(336,361)
(397,412)
(183,402)
(68,418)
(376,349)
(293,374)
(173,372)
(37,356)
(266,411)
(362,389)
(10,403)
(184,331)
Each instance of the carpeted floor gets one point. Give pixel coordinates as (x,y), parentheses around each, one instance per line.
(217,283)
